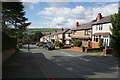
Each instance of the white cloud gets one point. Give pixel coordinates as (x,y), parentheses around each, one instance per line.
(66,17)
(29,4)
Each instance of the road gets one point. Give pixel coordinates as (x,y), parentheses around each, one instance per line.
(60,63)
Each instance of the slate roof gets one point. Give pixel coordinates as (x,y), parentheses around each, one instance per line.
(84,26)
(69,31)
(64,31)
(105,19)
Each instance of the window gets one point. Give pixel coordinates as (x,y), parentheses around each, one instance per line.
(86,32)
(99,27)
(96,38)
(96,27)
(74,32)
(68,35)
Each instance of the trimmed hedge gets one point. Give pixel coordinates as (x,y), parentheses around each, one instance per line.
(8,42)
(77,43)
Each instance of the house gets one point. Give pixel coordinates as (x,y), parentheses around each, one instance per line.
(42,39)
(101,29)
(48,38)
(61,35)
(68,38)
(54,37)
(83,32)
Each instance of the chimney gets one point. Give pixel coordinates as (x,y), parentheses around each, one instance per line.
(62,29)
(55,31)
(77,24)
(99,16)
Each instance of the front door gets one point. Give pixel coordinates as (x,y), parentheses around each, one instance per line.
(106,42)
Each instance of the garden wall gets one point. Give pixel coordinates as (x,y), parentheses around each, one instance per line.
(77,49)
(6,54)
(9,44)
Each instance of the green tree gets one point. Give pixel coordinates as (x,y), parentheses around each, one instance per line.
(37,36)
(77,43)
(13,16)
(115,37)
(100,42)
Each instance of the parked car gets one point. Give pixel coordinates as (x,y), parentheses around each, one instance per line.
(49,46)
(36,44)
(33,43)
(40,44)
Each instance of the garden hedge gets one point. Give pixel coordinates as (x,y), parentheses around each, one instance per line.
(8,42)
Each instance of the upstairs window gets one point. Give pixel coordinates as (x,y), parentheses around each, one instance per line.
(87,32)
(99,27)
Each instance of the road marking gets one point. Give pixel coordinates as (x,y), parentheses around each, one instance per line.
(84,59)
(43,69)
(67,53)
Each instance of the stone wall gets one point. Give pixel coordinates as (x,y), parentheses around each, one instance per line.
(6,54)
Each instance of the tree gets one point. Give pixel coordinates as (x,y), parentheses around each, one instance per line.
(77,43)
(115,37)
(100,42)
(37,36)
(13,16)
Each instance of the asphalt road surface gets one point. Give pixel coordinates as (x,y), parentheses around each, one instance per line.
(59,63)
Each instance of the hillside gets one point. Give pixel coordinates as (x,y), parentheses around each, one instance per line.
(43,30)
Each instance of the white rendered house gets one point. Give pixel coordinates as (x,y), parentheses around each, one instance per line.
(101,29)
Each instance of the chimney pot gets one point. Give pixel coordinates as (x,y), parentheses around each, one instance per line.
(55,31)
(77,23)
(99,16)
(62,29)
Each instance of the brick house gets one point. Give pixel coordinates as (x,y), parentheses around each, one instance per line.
(83,32)
(68,38)
(101,29)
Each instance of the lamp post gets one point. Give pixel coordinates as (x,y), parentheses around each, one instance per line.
(28,40)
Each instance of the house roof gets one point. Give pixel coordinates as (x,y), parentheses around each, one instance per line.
(64,31)
(81,37)
(103,20)
(69,31)
(105,33)
(84,26)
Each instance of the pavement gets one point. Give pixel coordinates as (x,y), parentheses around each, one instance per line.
(59,63)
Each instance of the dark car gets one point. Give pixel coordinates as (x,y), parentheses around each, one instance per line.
(40,44)
(49,46)
(33,43)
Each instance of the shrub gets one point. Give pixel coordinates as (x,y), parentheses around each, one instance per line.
(8,42)
(57,43)
(77,43)
(62,44)
(100,42)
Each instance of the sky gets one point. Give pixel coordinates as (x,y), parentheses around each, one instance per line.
(65,14)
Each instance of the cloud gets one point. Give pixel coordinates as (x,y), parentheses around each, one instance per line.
(67,17)
(29,4)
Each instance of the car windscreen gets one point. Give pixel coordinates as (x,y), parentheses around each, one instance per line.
(49,44)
